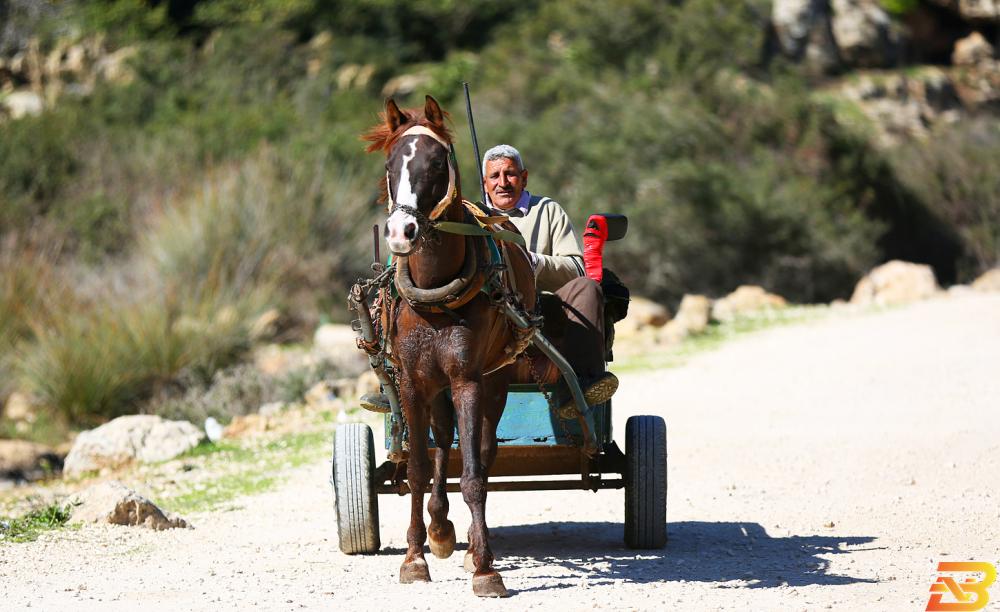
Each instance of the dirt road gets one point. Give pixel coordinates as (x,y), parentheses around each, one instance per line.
(825,465)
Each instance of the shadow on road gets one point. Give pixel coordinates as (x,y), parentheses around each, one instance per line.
(696,551)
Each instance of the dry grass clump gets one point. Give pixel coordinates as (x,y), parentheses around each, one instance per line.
(91,342)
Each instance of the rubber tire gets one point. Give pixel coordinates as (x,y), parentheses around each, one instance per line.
(355,500)
(645,482)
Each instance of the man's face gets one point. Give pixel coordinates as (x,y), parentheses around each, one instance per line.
(504,182)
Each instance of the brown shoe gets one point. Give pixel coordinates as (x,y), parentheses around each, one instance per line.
(595,392)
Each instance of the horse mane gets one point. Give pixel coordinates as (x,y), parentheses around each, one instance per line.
(383,139)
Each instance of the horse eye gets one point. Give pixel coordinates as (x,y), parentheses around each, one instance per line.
(437,164)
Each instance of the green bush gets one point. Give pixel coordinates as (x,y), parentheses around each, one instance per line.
(97,362)
(955,172)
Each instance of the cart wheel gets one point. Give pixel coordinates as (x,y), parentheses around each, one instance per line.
(645,482)
(356,502)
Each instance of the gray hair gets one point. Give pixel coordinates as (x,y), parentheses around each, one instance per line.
(503,151)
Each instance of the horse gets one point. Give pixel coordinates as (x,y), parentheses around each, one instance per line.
(446,334)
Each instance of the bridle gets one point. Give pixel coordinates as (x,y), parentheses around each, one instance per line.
(450,195)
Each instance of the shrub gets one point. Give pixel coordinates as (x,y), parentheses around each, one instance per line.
(92,362)
(955,173)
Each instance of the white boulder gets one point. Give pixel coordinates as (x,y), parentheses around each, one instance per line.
(140,437)
(895,282)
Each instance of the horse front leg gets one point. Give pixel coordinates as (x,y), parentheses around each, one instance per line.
(494,401)
(414,568)
(441,531)
(468,397)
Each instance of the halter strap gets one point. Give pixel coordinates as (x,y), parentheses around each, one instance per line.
(449,195)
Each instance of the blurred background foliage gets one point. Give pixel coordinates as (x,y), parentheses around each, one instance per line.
(145,225)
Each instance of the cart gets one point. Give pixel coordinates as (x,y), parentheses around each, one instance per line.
(532,440)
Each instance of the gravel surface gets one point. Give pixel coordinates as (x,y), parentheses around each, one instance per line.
(825,465)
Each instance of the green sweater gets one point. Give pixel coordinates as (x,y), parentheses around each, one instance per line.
(549,233)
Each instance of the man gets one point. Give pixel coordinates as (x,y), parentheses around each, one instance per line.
(558,262)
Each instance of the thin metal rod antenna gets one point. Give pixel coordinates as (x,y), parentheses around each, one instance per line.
(475,142)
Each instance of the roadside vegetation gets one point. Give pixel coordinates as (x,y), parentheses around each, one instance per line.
(146,226)
(641,354)
(28,527)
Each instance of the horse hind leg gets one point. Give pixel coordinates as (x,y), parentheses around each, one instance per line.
(441,531)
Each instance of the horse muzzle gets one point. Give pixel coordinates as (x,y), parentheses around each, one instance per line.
(401,232)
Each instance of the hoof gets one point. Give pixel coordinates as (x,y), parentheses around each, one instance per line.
(469,563)
(443,545)
(414,571)
(488,585)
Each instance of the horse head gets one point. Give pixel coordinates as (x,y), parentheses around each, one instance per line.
(421,179)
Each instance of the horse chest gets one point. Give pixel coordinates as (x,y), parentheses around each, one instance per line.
(426,348)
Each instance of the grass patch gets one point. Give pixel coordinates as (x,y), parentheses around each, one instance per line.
(240,468)
(715,336)
(27,528)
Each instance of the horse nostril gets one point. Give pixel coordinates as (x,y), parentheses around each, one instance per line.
(385,232)
(410,231)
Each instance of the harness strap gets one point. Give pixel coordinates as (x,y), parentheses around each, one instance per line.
(467,229)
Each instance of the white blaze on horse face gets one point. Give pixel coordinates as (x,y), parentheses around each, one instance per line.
(401,227)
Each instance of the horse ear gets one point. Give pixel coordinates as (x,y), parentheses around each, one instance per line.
(433,112)
(393,116)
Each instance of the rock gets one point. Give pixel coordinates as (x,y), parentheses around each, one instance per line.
(213,429)
(115,504)
(974,10)
(405,84)
(367,383)
(114,67)
(266,325)
(987,282)
(972,50)
(21,461)
(337,344)
(692,318)
(138,437)
(332,338)
(694,313)
(802,31)
(643,315)
(22,104)
(320,396)
(746,299)
(272,409)
(247,425)
(902,106)
(960,291)
(276,360)
(672,333)
(19,408)
(354,76)
(895,282)
(646,313)
(864,34)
